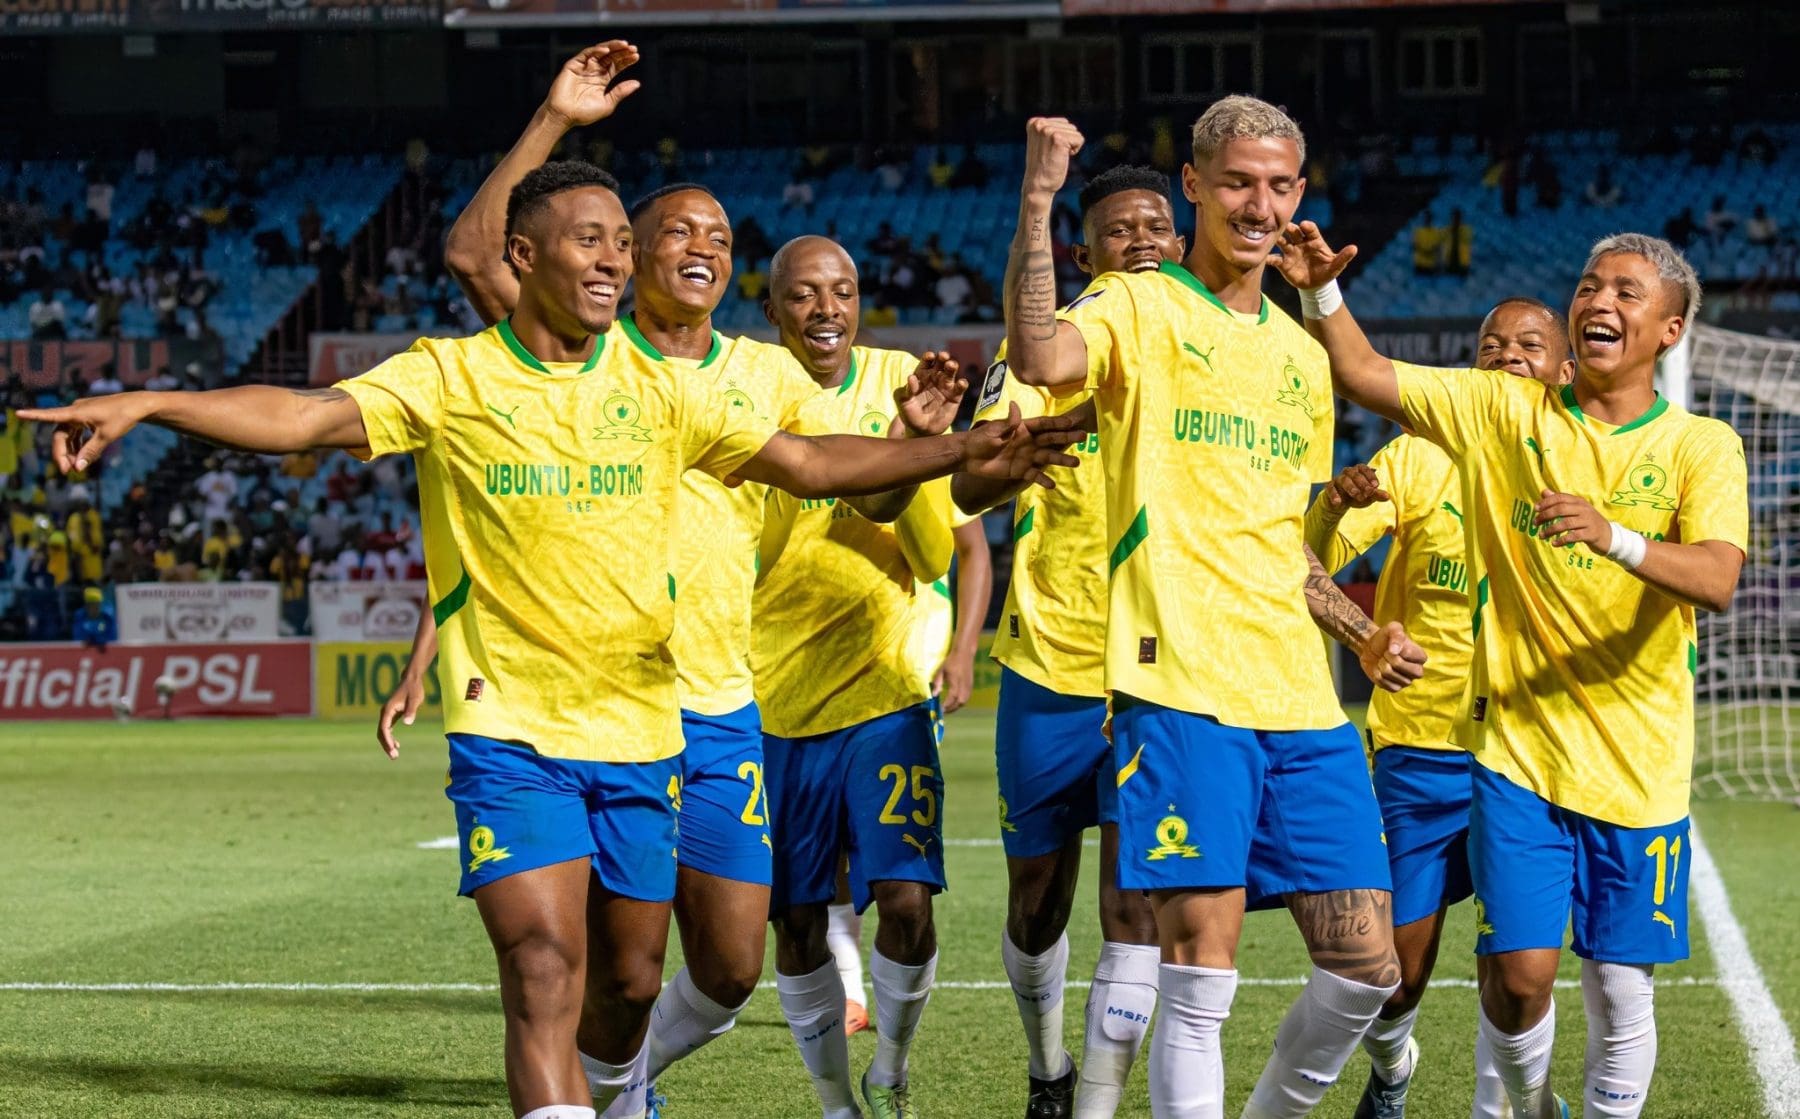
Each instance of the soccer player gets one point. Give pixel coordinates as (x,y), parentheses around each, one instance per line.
(682,263)
(848,737)
(1057,777)
(1409,490)
(550,450)
(1240,783)
(1600,517)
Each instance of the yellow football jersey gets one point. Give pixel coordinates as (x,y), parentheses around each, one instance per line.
(1212,430)
(1582,686)
(1424,585)
(715,551)
(548,495)
(838,615)
(1053,624)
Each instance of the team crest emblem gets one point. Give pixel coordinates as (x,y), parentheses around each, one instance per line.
(1645,487)
(736,398)
(622,418)
(1293,389)
(872,423)
(1005,824)
(482,850)
(1171,840)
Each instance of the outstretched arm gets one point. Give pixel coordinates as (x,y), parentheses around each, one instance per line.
(839,465)
(1391,659)
(475,251)
(248,418)
(926,405)
(975,495)
(1040,350)
(1358,373)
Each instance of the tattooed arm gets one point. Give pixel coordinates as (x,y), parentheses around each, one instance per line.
(1040,350)
(250,417)
(1390,658)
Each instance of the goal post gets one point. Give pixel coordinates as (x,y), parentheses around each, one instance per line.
(1747,675)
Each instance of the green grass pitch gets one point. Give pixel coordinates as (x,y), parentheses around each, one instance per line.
(287,853)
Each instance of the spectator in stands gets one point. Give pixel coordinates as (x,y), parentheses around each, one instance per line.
(1720,220)
(1459,245)
(891,172)
(971,173)
(798,194)
(144,163)
(14,436)
(163,558)
(753,281)
(56,556)
(953,288)
(1710,145)
(218,488)
(290,568)
(1428,247)
(309,226)
(87,539)
(162,381)
(95,626)
(48,317)
(881,313)
(220,542)
(884,243)
(1756,147)
(272,249)
(100,192)
(1762,229)
(940,170)
(107,383)
(105,315)
(1602,191)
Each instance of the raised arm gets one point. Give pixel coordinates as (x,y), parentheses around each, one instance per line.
(1358,373)
(1040,350)
(839,465)
(475,251)
(259,418)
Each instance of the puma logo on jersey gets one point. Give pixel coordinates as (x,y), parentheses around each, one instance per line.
(1536,450)
(910,841)
(507,416)
(1452,510)
(1203,356)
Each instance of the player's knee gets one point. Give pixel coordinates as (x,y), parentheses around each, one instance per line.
(543,976)
(800,945)
(727,978)
(1516,997)
(904,909)
(1036,911)
(1350,933)
(1126,917)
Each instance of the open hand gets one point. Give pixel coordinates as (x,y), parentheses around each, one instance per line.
(404,705)
(1306,260)
(953,682)
(583,92)
(1390,659)
(87,427)
(931,395)
(1018,450)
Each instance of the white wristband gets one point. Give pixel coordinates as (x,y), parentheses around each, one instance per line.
(1320,302)
(1628,548)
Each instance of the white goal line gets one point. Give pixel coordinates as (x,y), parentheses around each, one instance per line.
(70,987)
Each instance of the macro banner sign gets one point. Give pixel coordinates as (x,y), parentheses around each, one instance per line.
(548,13)
(77,364)
(366,611)
(64,680)
(356,677)
(153,613)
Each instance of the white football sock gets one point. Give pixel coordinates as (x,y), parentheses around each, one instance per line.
(1187,1067)
(843,935)
(1621,1046)
(683,1020)
(900,996)
(1320,1032)
(1119,1007)
(618,1090)
(1037,987)
(1490,1090)
(559,1111)
(1523,1062)
(814,1007)
(1385,1042)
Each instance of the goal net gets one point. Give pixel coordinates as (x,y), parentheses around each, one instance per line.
(1747,677)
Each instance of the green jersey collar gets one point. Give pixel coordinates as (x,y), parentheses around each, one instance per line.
(1188,279)
(530,361)
(1655,410)
(642,343)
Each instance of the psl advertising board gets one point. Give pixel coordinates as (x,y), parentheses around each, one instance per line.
(526,13)
(153,613)
(64,680)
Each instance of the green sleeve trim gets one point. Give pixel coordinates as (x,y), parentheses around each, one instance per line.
(1693,659)
(1025,525)
(452,602)
(1481,601)
(671,586)
(942,586)
(1128,543)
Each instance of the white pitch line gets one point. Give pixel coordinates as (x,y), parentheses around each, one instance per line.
(442,843)
(1759,1019)
(482,988)
(450,843)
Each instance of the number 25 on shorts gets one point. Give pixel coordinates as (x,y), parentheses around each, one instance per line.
(756,809)
(922,793)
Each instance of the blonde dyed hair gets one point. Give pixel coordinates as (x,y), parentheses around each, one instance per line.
(1238,117)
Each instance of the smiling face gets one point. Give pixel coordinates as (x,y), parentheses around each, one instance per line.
(573,256)
(1130,231)
(1623,315)
(1527,341)
(1245,194)
(815,303)
(683,254)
